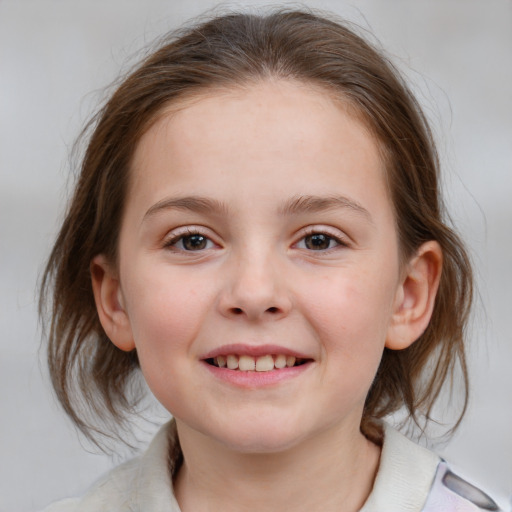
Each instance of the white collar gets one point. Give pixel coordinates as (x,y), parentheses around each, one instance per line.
(405,476)
(142,484)
(404,479)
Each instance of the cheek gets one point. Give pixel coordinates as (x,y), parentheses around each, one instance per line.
(352,311)
(165,314)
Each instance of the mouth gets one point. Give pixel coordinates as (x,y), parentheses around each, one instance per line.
(263,363)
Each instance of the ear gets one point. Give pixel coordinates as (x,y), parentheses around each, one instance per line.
(109,303)
(415,297)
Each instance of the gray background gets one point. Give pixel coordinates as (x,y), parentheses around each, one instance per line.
(56,56)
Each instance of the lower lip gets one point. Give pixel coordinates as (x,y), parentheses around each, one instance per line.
(254,379)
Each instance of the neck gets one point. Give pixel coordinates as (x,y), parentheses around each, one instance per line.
(334,469)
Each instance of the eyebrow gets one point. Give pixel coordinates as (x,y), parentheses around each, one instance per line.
(306,204)
(294,206)
(191,203)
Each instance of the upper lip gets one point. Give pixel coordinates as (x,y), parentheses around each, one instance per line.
(240,349)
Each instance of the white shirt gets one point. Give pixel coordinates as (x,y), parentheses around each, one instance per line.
(410,479)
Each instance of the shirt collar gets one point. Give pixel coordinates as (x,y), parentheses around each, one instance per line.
(403,482)
(405,476)
(153,483)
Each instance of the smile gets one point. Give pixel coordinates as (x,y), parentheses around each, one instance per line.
(247,363)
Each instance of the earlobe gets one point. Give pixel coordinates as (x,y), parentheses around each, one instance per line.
(109,303)
(415,297)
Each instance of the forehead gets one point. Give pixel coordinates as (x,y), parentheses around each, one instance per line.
(252,136)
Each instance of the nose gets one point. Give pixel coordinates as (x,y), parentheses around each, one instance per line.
(255,289)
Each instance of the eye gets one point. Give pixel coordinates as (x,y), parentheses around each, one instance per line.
(319,242)
(190,242)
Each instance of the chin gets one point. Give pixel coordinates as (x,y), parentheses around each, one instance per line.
(262,436)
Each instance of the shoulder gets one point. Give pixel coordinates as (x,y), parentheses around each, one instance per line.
(413,479)
(141,484)
(113,491)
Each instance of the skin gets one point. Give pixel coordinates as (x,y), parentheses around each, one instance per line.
(258,280)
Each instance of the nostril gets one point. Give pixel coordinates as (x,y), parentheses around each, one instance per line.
(240,311)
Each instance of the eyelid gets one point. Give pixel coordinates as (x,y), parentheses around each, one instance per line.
(183,231)
(336,234)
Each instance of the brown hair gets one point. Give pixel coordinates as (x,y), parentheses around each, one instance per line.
(95,380)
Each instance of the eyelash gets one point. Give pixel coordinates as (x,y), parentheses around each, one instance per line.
(173,242)
(180,237)
(328,237)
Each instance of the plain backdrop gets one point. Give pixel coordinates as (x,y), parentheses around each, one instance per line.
(55,58)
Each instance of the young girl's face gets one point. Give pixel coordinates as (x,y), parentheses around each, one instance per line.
(258,226)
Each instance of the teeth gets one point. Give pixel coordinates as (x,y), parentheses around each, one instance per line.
(290,361)
(280,361)
(246,363)
(232,362)
(260,364)
(264,364)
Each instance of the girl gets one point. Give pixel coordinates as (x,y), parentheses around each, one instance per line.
(257,228)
